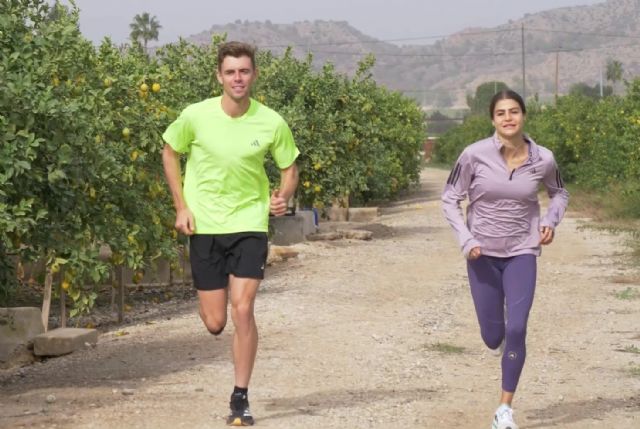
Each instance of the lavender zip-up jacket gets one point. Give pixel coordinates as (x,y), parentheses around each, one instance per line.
(503,215)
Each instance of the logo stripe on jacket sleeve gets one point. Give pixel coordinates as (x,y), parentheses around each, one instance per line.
(559,181)
(455,174)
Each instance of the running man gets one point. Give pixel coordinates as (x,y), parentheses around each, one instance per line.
(225,203)
(503,233)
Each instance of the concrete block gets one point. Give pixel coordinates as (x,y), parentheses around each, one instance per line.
(363,214)
(356,234)
(290,229)
(18,326)
(338,214)
(62,341)
(309,225)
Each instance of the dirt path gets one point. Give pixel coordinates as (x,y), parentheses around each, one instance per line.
(372,334)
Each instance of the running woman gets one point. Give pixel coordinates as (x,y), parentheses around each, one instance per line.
(225,203)
(503,232)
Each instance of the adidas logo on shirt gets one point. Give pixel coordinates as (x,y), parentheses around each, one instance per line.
(255,143)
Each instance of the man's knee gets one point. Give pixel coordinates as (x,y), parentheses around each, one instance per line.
(216,330)
(242,311)
(215,327)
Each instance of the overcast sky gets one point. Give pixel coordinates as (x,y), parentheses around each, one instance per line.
(382,19)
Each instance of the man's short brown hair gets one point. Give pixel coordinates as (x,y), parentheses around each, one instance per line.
(236,50)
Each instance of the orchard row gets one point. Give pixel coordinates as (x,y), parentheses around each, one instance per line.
(80,126)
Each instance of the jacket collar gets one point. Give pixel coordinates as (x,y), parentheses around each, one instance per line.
(534,152)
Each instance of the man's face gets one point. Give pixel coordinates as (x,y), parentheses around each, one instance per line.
(236,75)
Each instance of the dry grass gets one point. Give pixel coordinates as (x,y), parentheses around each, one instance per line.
(606,213)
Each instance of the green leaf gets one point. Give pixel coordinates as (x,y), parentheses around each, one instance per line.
(56,175)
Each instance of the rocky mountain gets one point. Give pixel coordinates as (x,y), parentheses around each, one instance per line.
(576,41)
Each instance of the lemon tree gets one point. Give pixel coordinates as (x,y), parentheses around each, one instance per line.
(80,162)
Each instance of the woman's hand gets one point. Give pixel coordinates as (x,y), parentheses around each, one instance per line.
(546,235)
(474,253)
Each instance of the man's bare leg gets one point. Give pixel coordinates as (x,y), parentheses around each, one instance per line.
(213,309)
(242,292)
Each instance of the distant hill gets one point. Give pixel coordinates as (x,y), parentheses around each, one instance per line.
(582,38)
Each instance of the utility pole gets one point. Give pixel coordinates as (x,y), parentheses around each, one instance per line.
(557,73)
(524,85)
(601,90)
(495,79)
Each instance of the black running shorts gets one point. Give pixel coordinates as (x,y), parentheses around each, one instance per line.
(215,256)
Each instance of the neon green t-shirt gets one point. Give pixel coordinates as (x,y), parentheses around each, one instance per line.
(225,184)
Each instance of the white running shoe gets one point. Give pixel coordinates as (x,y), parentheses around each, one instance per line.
(503,419)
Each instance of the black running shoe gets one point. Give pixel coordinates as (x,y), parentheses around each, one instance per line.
(240,413)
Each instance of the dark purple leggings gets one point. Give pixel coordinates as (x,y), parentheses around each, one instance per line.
(494,283)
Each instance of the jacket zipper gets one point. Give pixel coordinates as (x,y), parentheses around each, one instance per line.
(511,175)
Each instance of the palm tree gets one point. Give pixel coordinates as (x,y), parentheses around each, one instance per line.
(144,27)
(614,71)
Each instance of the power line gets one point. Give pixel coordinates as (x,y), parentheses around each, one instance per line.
(494,54)
(381,54)
(459,34)
(583,33)
(478,54)
(595,48)
(405,39)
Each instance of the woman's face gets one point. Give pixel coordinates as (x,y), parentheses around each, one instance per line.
(508,118)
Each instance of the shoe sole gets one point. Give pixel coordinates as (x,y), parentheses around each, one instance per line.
(238,422)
